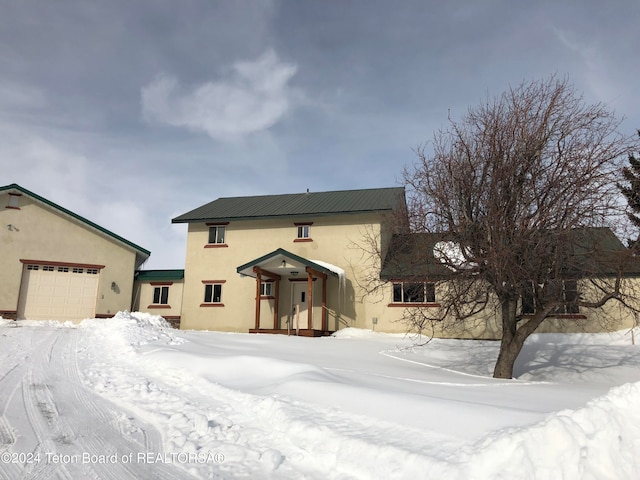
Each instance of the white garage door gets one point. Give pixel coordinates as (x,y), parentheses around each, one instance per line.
(58,292)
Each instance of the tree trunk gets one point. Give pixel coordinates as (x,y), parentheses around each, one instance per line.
(511,344)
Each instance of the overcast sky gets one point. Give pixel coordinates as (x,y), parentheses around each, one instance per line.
(130,113)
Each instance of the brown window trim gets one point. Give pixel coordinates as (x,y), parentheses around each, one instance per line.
(299,240)
(161,284)
(267,297)
(158,305)
(216,224)
(212,304)
(61,264)
(213,281)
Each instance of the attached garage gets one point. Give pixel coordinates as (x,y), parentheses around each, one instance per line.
(57,265)
(61,292)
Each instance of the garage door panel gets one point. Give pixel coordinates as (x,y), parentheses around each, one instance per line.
(57,294)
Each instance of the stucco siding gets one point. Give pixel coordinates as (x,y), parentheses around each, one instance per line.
(333,239)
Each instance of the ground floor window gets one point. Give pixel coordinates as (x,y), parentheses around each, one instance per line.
(414,292)
(266,289)
(213,293)
(160,295)
(565,290)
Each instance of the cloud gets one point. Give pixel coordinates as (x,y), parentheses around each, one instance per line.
(256,95)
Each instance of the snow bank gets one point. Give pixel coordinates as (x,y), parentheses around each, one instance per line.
(599,441)
(133,329)
(137,360)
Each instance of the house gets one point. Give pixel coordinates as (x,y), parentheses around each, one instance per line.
(159,292)
(303,263)
(285,262)
(56,264)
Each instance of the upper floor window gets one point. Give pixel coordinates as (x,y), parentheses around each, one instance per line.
(414,292)
(14,201)
(304,232)
(217,234)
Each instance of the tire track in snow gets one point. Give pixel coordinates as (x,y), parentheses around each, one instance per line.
(64,417)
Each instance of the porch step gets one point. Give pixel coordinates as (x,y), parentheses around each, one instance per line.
(303,332)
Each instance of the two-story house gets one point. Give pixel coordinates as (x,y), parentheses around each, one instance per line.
(284,262)
(313,263)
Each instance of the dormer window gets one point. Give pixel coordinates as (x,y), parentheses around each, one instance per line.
(304,232)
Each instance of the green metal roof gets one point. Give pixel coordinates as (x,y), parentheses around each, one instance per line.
(296,205)
(142,254)
(158,275)
(594,251)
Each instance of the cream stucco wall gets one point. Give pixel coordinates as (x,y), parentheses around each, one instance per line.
(335,240)
(39,232)
(487,325)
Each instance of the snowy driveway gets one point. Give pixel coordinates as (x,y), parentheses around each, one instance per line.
(130,398)
(54,425)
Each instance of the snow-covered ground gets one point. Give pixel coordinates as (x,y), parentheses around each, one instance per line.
(130,397)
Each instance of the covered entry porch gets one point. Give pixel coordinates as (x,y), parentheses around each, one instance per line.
(293,290)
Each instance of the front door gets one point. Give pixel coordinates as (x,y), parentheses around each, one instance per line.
(299,304)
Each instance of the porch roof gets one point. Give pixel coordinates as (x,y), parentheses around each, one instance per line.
(283,263)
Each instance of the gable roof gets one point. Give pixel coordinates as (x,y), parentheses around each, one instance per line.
(141,253)
(594,250)
(279,255)
(296,205)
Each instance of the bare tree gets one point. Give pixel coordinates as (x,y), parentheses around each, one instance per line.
(512,203)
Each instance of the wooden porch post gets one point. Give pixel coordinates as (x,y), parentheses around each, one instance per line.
(309,299)
(258,282)
(325,313)
(265,273)
(277,301)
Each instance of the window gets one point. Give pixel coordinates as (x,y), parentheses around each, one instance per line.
(14,201)
(217,234)
(32,267)
(48,268)
(63,269)
(78,270)
(266,289)
(406,292)
(303,232)
(161,295)
(566,290)
(92,271)
(212,293)
(569,297)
